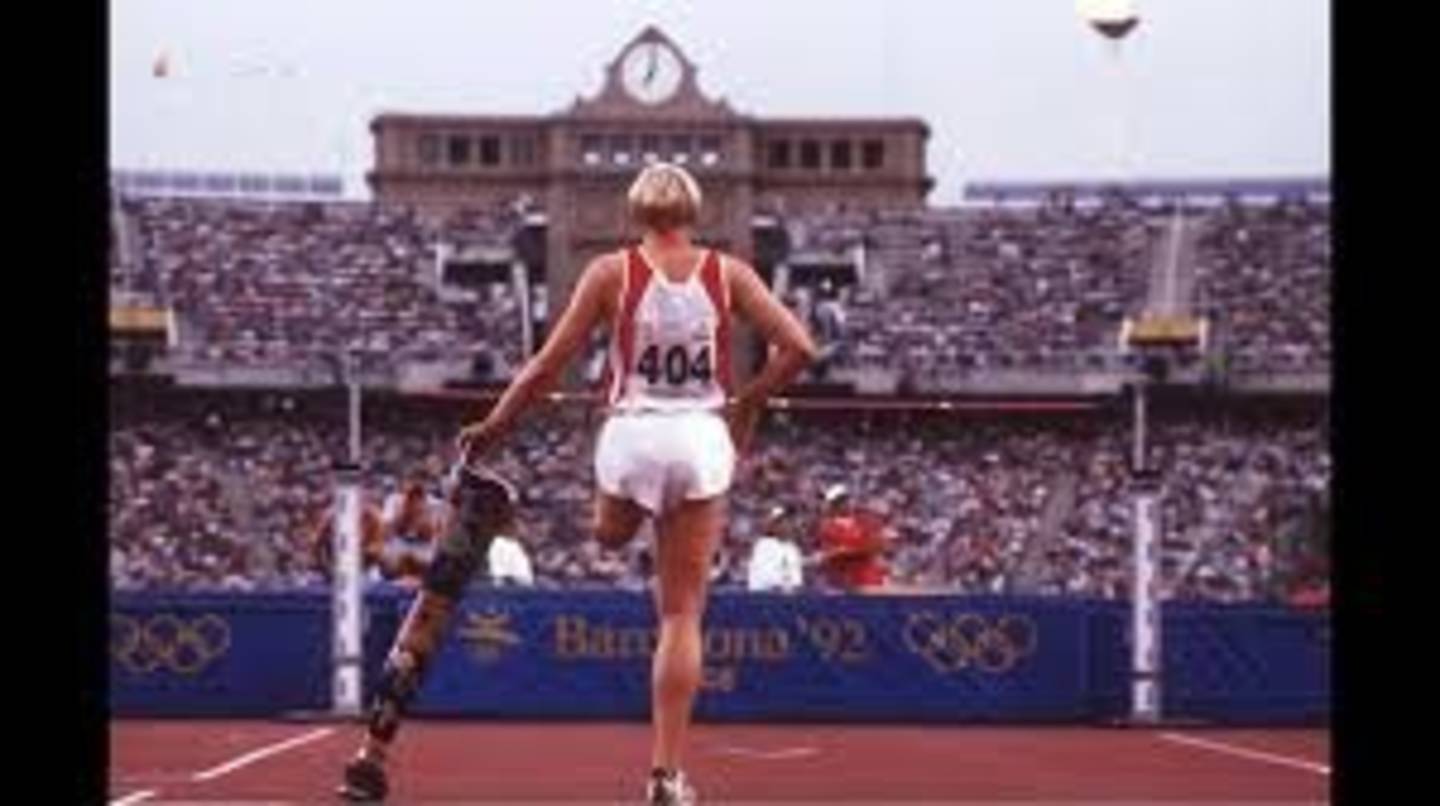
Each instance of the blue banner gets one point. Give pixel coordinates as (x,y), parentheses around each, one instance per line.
(1246,663)
(213,655)
(767,657)
(1227,663)
(230,654)
(770,657)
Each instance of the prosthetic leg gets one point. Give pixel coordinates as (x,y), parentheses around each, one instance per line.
(483,505)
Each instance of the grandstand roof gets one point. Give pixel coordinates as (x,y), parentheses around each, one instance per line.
(227,184)
(1278,186)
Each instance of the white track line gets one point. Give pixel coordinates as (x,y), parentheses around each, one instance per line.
(134,797)
(264,752)
(769,755)
(1242,752)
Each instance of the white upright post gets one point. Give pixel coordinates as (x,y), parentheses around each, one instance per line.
(1145,657)
(1145,616)
(347,595)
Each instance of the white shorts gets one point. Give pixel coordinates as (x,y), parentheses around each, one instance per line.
(658,459)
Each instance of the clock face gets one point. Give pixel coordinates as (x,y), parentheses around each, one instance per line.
(651,72)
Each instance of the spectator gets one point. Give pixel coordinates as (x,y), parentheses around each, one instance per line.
(509,564)
(851,545)
(775,563)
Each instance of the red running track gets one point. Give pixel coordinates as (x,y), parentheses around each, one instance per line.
(472,762)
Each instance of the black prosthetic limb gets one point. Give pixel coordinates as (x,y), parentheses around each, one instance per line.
(483,505)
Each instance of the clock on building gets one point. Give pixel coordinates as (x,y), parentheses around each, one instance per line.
(651,72)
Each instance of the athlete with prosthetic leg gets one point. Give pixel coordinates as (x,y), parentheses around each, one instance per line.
(666,453)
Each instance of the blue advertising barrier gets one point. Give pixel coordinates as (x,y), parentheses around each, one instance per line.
(1227,663)
(770,657)
(199,654)
(767,657)
(1246,663)
(213,655)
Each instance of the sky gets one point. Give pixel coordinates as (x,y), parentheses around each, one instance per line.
(1017,90)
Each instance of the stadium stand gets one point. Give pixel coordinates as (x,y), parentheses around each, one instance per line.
(202,496)
(210,498)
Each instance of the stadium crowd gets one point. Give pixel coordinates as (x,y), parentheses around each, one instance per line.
(1263,271)
(212,500)
(219,499)
(948,291)
(991,288)
(1044,287)
(260,283)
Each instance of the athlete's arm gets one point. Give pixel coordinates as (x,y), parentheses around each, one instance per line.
(587,306)
(794,348)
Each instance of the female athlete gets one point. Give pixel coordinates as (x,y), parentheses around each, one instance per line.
(666,451)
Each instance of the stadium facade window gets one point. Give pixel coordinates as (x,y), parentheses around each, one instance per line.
(459,149)
(649,147)
(872,154)
(185,181)
(522,150)
(290,184)
(590,147)
(779,154)
(254,183)
(621,149)
(489,147)
(809,154)
(680,148)
(220,183)
(709,150)
(428,149)
(840,155)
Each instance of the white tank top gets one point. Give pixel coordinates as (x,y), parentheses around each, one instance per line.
(670,346)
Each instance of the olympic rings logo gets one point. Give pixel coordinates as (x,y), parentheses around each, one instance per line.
(969,640)
(167,643)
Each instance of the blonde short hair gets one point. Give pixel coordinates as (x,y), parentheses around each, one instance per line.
(664,196)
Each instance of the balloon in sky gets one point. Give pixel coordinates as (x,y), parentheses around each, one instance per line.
(1113,19)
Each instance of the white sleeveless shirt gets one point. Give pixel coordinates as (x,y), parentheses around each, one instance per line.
(670,346)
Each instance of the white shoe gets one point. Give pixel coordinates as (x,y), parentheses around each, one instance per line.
(669,790)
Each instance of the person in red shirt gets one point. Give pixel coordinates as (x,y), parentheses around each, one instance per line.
(852,545)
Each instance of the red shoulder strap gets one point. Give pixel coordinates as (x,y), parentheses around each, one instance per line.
(637,278)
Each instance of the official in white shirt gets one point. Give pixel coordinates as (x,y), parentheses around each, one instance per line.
(774,561)
(509,564)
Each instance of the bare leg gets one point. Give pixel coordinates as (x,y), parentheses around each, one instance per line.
(685,542)
(617,520)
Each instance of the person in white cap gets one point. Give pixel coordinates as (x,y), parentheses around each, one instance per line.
(775,563)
